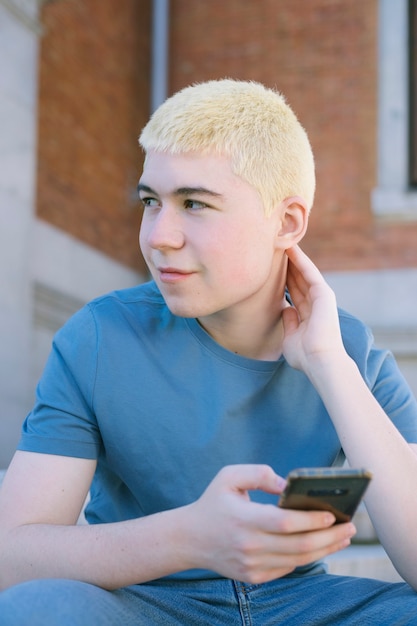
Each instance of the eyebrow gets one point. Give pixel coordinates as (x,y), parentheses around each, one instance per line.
(182,191)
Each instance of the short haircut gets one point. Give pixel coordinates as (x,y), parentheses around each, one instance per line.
(246,122)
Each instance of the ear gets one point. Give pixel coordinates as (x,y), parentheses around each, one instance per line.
(293,222)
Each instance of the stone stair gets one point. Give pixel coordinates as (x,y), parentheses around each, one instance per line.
(365,560)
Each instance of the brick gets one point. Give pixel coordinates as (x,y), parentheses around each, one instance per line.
(94,95)
(93,101)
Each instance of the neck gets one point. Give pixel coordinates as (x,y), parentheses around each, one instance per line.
(263,345)
(252,329)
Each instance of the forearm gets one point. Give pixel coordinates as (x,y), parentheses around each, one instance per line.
(106,555)
(370,440)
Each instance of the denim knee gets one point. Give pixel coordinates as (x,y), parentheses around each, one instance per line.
(57,602)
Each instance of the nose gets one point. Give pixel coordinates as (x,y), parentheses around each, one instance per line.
(163,229)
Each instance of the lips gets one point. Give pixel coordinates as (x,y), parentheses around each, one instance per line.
(172,274)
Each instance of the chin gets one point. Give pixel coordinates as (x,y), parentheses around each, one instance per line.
(182,309)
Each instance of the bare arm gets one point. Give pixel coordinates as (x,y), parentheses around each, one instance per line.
(313,343)
(42,496)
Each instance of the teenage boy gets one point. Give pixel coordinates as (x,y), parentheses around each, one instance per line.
(184,402)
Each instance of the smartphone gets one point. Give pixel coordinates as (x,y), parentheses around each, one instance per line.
(338,490)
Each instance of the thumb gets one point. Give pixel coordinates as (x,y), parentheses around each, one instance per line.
(242,478)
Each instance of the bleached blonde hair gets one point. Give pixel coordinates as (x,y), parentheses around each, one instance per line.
(246,122)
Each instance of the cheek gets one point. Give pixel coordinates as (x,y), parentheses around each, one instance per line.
(142,239)
(243,260)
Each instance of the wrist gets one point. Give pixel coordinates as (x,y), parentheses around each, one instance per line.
(333,366)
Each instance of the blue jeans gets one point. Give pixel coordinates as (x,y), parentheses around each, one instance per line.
(313,600)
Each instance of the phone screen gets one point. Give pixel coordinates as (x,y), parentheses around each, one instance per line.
(326,489)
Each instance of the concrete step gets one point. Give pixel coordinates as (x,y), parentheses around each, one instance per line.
(367,561)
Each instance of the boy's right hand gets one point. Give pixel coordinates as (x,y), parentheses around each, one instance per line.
(252,542)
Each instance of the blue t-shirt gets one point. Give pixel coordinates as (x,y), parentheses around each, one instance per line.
(163,407)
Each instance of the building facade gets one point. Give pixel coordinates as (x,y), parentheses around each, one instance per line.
(78,79)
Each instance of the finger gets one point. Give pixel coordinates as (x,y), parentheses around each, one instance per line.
(295,550)
(275,521)
(304,265)
(299,284)
(293,522)
(277,555)
(276,566)
(290,320)
(296,284)
(313,541)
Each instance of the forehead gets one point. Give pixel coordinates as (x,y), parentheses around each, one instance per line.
(189,169)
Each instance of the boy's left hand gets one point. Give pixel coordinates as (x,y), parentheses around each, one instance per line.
(311,326)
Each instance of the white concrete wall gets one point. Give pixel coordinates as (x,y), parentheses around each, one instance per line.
(60,275)
(45,275)
(387,301)
(64,274)
(392,196)
(18,99)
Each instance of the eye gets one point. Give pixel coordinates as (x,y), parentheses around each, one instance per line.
(194,205)
(148,201)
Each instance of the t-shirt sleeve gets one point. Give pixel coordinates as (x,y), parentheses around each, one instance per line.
(392,392)
(62,421)
(381,373)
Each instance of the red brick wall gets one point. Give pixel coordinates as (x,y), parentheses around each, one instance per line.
(94,98)
(322,55)
(93,101)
